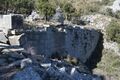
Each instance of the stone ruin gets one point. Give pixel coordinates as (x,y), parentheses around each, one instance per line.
(47,53)
(11,21)
(33,16)
(58,17)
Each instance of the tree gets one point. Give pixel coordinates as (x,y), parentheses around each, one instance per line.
(69,10)
(23,6)
(16,6)
(5,5)
(45,8)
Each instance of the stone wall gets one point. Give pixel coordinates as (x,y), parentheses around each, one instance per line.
(77,42)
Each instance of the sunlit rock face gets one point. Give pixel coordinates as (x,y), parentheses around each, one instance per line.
(74,41)
(116,6)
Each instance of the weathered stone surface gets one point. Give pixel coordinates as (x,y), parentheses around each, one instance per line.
(67,73)
(11,21)
(74,41)
(82,76)
(25,63)
(47,69)
(116,6)
(58,17)
(27,74)
(13,54)
(113,46)
(2,45)
(2,61)
(3,38)
(33,16)
(14,40)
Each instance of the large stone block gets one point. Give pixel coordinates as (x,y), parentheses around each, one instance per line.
(76,42)
(11,21)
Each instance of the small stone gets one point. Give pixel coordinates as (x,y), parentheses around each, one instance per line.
(46,64)
(25,63)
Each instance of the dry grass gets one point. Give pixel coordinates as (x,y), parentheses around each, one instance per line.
(109,65)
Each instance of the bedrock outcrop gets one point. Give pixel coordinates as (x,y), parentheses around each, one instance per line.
(62,40)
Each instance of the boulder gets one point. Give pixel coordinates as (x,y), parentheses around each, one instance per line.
(33,16)
(75,41)
(58,17)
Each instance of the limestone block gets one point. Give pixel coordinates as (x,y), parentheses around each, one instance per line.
(3,38)
(11,21)
(14,40)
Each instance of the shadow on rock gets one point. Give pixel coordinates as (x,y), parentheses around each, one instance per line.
(96,56)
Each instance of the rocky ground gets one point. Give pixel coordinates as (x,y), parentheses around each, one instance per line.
(17,65)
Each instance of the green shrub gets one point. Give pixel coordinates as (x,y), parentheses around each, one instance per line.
(117,15)
(113,31)
(69,10)
(109,12)
(105,2)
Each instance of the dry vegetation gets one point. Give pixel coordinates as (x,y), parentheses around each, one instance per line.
(109,65)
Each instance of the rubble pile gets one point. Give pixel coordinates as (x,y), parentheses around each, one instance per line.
(16,65)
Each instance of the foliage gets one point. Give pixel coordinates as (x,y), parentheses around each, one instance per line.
(86,8)
(69,10)
(113,31)
(17,6)
(105,2)
(117,14)
(109,12)
(45,8)
(24,6)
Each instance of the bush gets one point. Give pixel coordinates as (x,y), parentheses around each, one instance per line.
(117,15)
(109,12)
(113,31)
(105,2)
(69,10)
(88,8)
